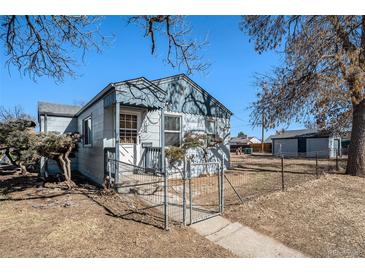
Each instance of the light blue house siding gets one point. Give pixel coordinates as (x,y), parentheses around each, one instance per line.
(185,96)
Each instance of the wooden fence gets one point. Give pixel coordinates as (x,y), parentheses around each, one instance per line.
(257,148)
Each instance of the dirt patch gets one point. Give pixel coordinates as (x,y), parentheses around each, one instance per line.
(53,222)
(322,218)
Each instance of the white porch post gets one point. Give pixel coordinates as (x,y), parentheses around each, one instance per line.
(117,140)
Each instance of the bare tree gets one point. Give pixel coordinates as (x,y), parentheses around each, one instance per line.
(322,78)
(183,51)
(45,45)
(15,113)
(42,45)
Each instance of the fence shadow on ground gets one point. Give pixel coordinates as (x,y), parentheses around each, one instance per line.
(254,176)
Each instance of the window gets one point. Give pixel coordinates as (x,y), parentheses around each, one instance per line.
(172,130)
(128,128)
(87,130)
(211,131)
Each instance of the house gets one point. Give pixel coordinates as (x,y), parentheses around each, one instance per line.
(242,142)
(254,140)
(134,120)
(57,118)
(305,142)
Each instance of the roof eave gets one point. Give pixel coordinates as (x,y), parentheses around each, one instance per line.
(95,98)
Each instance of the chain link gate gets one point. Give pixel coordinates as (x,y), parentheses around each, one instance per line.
(205,191)
(185,195)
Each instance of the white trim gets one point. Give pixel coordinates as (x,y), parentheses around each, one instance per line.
(174,114)
(90,144)
(138,114)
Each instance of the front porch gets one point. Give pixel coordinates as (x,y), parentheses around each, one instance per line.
(133,121)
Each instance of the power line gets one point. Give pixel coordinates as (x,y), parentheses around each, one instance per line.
(240,119)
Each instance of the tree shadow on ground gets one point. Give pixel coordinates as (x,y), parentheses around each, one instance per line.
(19,188)
(114,205)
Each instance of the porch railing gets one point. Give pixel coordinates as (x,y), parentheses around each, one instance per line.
(153,158)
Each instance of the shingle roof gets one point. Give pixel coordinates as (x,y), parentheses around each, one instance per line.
(238,140)
(57,109)
(293,134)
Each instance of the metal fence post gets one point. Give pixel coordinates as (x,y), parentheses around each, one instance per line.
(116,172)
(282,173)
(110,172)
(166,198)
(190,195)
(219,188)
(317,165)
(184,193)
(222,184)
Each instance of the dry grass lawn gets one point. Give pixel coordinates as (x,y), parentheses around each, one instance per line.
(321,218)
(52,222)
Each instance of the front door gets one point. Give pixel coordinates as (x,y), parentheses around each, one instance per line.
(129,137)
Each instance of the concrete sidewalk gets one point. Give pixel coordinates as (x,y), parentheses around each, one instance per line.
(242,240)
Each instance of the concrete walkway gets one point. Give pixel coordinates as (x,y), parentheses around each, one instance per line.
(243,241)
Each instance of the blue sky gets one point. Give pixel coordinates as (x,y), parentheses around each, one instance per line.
(230,77)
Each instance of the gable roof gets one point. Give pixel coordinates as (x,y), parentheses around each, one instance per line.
(296,133)
(131,92)
(57,109)
(195,85)
(238,141)
(140,93)
(114,86)
(241,140)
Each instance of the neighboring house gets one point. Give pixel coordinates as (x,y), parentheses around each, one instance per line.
(254,140)
(242,142)
(305,142)
(132,121)
(57,118)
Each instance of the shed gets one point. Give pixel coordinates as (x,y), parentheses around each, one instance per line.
(305,142)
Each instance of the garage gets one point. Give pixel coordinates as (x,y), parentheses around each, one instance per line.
(305,143)
(317,146)
(288,147)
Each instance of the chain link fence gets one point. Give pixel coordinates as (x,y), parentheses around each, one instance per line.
(255,175)
(184,195)
(194,192)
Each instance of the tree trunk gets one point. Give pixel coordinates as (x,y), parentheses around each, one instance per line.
(68,163)
(23,169)
(65,171)
(356,157)
(7,153)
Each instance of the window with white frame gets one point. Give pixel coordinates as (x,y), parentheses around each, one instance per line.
(87,131)
(211,131)
(172,130)
(128,128)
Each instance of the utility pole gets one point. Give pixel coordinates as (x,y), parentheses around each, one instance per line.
(263,133)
